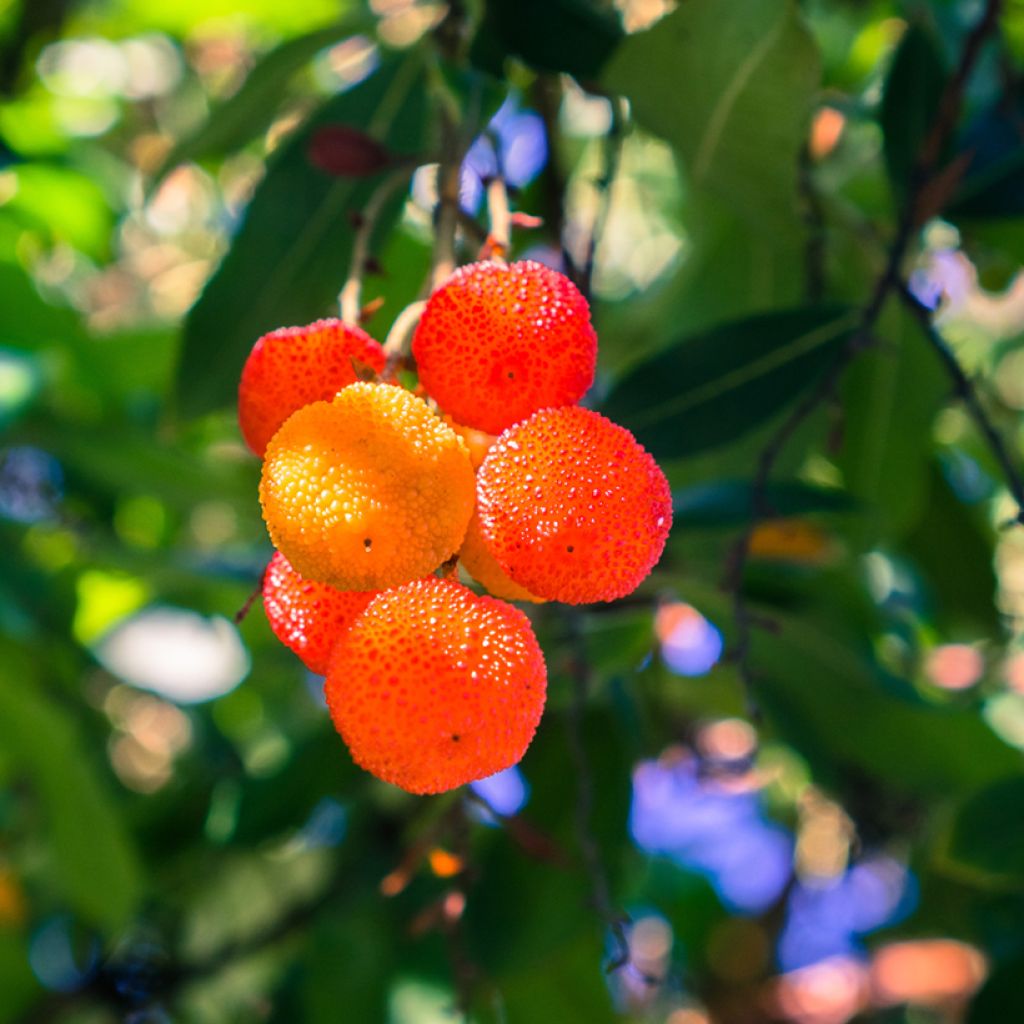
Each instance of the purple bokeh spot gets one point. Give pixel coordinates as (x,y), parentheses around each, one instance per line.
(507,792)
(709,829)
(31,484)
(829,917)
(513,145)
(693,647)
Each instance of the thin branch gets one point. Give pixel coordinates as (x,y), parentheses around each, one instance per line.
(814,223)
(499,238)
(350,297)
(446,213)
(615,920)
(398,343)
(889,282)
(612,159)
(965,390)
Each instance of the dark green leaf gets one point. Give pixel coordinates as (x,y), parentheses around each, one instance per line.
(993,183)
(713,388)
(17,982)
(913,90)
(1001,999)
(727,503)
(891,395)
(289,259)
(987,839)
(250,110)
(575,36)
(962,589)
(567,986)
(732,94)
(96,866)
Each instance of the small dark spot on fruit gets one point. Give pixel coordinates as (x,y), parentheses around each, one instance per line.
(510,375)
(456,737)
(367,544)
(570,549)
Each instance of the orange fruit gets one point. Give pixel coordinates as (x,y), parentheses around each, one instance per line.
(497,342)
(306,616)
(482,566)
(293,366)
(433,686)
(572,507)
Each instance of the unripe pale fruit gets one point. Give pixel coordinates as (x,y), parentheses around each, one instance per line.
(497,342)
(572,507)
(293,366)
(367,491)
(433,686)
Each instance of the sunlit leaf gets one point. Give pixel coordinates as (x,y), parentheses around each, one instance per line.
(96,868)
(732,94)
(288,261)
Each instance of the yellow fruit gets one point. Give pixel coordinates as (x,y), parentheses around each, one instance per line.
(367,491)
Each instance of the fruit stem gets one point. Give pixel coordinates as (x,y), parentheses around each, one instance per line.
(349,298)
(500,237)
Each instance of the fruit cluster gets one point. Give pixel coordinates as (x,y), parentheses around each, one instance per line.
(371,492)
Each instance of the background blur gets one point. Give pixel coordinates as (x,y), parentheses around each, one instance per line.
(784,780)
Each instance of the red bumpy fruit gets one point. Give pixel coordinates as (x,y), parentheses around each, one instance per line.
(293,366)
(572,507)
(306,616)
(497,342)
(433,686)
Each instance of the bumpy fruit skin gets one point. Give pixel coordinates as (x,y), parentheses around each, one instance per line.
(498,342)
(433,687)
(293,366)
(367,491)
(572,507)
(482,566)
(306,616)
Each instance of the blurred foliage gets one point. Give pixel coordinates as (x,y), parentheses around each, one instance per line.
(183,836)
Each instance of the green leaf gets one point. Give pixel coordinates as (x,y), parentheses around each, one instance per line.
(289,259)
(913,89)
(566,986)
(250,110)
(830,700)
(987,838)
(1001,999)
(17,982)
(575,36)
(992,188)
(732,94)
(963,589)
(890,396)
(96,865)
(727,503)
(709,389)
(822,691)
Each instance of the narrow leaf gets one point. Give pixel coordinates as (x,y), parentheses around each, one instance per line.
(251,110)
(712,388)
(732,94)
(917,78)
(987,838)
(96,864)
(289,259)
